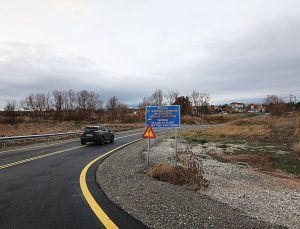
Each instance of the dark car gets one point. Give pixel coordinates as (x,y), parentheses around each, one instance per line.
(97,134)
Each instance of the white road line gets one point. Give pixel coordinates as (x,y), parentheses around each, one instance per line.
(58,143)
(137,134)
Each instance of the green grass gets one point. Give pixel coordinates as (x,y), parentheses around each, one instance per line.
(198,140)
(235,142)
(222,146)
(288,163)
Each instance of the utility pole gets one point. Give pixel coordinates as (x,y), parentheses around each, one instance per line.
(294,99)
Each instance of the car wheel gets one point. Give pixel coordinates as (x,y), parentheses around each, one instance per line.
(83,143)
(102,141)
(112,139)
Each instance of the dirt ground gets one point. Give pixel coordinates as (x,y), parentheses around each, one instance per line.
(270,144)
(273,196)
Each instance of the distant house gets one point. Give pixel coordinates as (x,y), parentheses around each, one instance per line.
(237,107)
(256,108)
(213,109)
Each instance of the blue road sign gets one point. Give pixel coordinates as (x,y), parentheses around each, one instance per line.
(163,116)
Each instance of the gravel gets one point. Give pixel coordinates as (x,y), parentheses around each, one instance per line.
(162,205)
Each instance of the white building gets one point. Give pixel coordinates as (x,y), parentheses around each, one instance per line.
(238,107)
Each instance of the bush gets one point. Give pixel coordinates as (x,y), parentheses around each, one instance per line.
(296,148)
(178,175)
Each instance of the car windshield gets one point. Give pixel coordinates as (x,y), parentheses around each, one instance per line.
(90,129)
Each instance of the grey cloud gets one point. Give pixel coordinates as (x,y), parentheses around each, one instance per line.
(26,69)
(264,61)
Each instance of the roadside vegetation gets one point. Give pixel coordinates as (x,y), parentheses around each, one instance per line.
(188,173)
(269,143)
(68,110)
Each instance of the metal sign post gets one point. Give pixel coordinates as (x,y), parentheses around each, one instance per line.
(149,133)
(148,156)
(164,117)
(176,144)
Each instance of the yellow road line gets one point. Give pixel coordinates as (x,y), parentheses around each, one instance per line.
(102,216)
(37,157)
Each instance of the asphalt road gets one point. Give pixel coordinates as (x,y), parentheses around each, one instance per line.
(40,187)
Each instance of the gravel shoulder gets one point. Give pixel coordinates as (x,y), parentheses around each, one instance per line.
(157,204)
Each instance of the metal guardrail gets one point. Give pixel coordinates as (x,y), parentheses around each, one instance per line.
(3,140)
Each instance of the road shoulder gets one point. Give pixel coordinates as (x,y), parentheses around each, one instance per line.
(157,204)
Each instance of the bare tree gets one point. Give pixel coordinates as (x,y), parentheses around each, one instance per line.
(142,107)
(195,98)
(48,101)
(93,103)
(111,106)
(275,105)
(82,98)
(30,104)
(11,111)
(200,101)
(145,102)
(58,100)
(71,98)
(157,97)
(122,111)
(40,102)
(272,99)
(171,97)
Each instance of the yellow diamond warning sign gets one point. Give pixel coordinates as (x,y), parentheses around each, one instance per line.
(149,133)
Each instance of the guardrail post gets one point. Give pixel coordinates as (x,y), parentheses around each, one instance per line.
(3,145)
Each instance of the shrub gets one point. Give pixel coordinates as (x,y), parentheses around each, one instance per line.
(296,148)
(178,175)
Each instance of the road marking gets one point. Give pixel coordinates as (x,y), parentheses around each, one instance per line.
(46,155)
(57,152)
(128,135)
(139,134)
(99,212)
(37,157)
(40,146)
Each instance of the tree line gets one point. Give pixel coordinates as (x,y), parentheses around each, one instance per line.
(64,105)
(67,105)
(195,104)
(70,105)
(278,107)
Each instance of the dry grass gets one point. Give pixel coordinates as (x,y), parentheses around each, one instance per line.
(279,130)
(178,176)
(229,131)
(296,148)
(212,119)
(234,131)
(38,128)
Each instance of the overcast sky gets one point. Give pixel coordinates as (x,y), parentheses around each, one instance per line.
(233,49)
